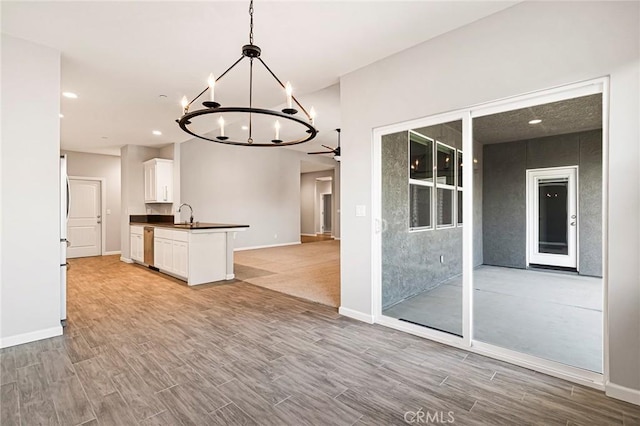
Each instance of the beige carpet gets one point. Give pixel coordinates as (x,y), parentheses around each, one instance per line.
(310,271)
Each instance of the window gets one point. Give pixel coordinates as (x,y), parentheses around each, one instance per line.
(445,184)
(420,181)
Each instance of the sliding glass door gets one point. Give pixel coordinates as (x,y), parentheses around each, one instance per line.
(421,206)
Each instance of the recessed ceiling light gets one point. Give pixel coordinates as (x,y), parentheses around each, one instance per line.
(245,128)
(104,137)
(162,96)
(536,121)
(157,132)
(70,95)
(61,115)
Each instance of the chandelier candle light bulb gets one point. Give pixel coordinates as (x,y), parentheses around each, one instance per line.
(277,126)
(185,104)
(289,90)
(212,83)
(312,114)
(221,123)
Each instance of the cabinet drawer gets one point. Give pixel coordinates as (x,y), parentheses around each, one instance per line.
(137,230)
(163,233)
(181,236)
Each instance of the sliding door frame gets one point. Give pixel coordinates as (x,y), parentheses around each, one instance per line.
(467,341)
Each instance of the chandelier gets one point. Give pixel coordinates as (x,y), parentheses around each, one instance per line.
(304,125)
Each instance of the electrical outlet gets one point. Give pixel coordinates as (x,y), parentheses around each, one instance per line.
(108,211)
(275,236)
(441,258)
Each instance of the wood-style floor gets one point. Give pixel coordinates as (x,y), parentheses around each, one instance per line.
(141,348)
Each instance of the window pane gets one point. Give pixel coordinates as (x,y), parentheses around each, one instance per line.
(419,206)
(460,169)
(445,164)
(445,207)
(459,206)
(420,158)
(552,207)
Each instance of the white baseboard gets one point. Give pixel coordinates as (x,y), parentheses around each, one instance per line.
(336,238)
(308,235)
(230,276)
(632,396)
(111,253)
(31,336)
(360,316)
(267,246)
(125,260)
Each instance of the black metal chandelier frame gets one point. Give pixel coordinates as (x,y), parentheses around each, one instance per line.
(252,52)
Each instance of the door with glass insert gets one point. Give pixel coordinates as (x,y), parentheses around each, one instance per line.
(553,217)
(421,233)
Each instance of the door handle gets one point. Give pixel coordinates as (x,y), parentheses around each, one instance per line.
(573,223)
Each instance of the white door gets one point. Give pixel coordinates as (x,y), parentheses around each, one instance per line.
(552,217)
(84,228)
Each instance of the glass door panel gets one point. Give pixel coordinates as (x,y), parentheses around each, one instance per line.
(421,235)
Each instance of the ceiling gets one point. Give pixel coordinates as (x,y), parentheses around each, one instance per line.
(130,63)
(568,116)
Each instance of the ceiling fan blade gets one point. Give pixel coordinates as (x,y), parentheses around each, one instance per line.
(328,147)
(337,151)
(321,152)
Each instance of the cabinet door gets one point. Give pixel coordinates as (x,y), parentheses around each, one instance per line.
(181,258)
(158,253)
(150,182)
(167,255)
(134,247)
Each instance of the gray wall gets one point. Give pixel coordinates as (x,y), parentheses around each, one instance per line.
(259,187)
(450,72)
(106,167)
(504,191)
(29,192)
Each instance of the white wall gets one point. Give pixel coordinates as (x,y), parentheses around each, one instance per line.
(259,187)
(30,285)
(132,190)
(106,167)
(528,47)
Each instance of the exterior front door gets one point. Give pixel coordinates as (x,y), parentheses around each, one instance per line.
(552,217)
(85,218)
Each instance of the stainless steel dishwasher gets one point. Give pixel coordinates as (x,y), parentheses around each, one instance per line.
(148,245)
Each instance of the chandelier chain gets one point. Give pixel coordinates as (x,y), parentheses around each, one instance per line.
(251,22)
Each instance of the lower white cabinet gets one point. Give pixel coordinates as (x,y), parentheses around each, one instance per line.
(137,243)
(195,256)
(171,252)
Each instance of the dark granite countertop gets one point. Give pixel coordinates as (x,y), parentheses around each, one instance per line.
(194,226)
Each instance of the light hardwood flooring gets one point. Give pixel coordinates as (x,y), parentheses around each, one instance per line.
(141,348)
(310,271)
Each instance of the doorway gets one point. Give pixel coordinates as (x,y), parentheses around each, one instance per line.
(84,227)
(552,217)
(325,214)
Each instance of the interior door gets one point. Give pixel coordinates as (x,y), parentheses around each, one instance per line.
(553,217)
(85,218)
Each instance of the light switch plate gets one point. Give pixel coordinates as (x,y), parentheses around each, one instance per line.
(361,210)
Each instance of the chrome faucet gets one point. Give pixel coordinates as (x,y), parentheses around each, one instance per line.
(190,208)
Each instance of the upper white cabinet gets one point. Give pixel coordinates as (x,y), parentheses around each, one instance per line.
(158,181)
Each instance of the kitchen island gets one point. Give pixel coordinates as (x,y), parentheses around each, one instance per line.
(197,253)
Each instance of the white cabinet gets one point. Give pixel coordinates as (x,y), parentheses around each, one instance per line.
(180,258)
(171,251)
(137,243)
(158,181)
(197,256)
